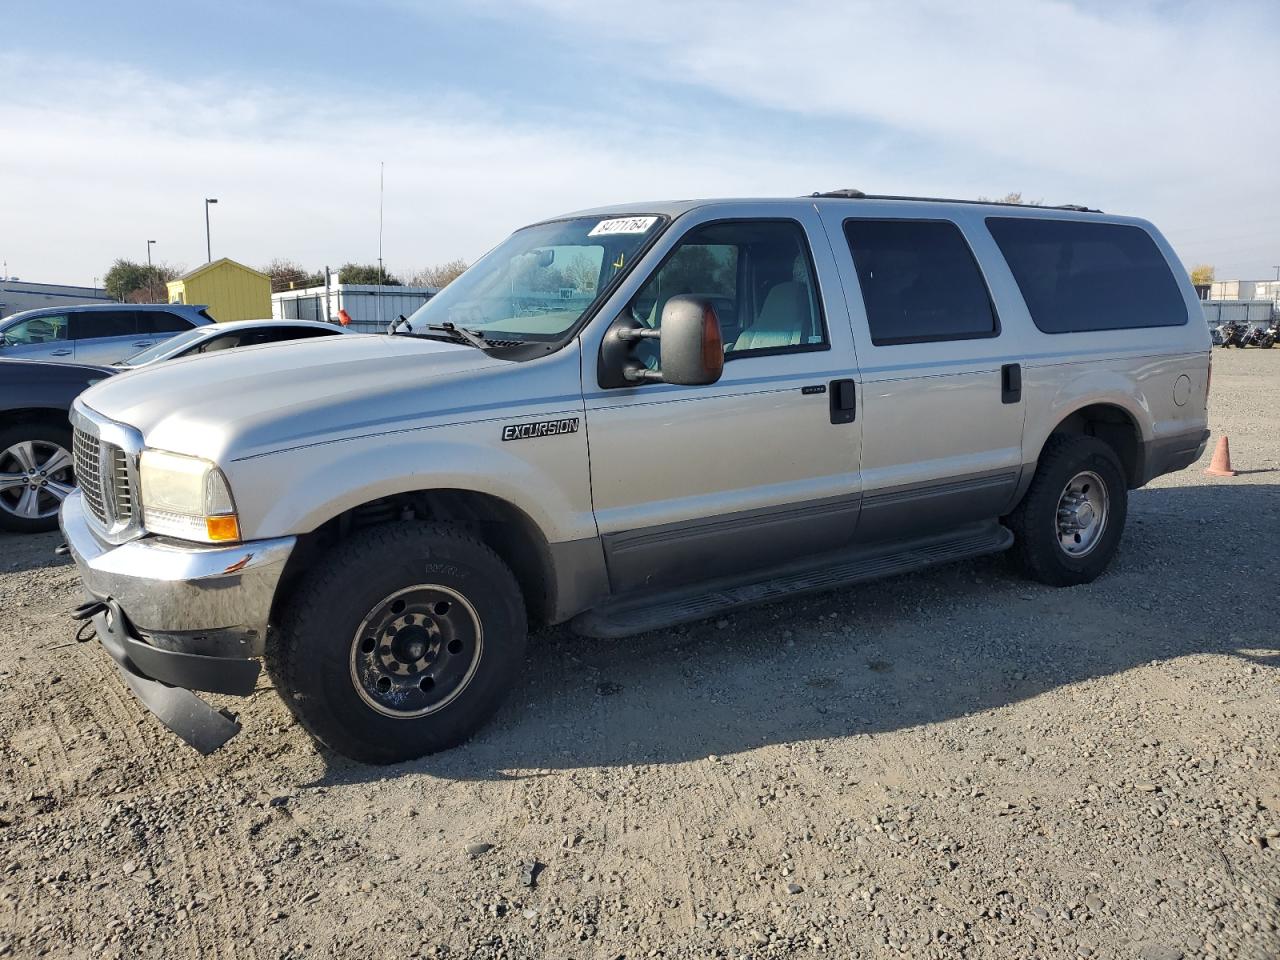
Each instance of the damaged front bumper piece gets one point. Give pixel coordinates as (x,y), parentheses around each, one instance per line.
(178,617)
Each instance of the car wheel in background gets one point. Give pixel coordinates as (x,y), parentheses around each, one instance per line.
(36,475)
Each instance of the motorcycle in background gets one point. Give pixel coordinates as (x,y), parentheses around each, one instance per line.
(1231,333)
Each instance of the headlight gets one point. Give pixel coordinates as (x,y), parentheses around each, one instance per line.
(186,497)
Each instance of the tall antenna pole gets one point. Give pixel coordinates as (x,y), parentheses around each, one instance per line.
(381,181)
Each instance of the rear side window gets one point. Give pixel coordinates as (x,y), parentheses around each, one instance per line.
(919,282)
(161,321)
(1077,276)
(94,324)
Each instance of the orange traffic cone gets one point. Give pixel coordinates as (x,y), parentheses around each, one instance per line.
(1221,465)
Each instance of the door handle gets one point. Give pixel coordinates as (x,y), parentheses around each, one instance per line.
(60,353)
(844,401)
(142,343)
(1010,383)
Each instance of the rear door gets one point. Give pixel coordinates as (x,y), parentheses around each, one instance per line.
(943,410)
(104,336)
(694,482)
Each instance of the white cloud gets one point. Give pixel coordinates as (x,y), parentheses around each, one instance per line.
(104,158)
(1159,109)
(1155,109)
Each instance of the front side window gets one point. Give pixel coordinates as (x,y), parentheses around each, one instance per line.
(1078,276)
(757,274)
(538,283)
(919,282)
(47,328)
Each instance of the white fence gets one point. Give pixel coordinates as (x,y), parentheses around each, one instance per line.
(1254,312)
(371,308)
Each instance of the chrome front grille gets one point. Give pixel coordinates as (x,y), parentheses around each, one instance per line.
(106,464)
(86,450)
(121,485)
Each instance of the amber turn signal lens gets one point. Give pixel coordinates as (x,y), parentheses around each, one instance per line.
(222,529)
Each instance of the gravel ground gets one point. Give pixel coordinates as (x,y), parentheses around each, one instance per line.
(955,763)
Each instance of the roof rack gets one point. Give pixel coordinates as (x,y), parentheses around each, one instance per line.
(848,193)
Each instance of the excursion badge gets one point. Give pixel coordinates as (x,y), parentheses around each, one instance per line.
(543,428)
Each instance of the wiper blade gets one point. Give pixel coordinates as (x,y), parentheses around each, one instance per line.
(434,331)
(473,337)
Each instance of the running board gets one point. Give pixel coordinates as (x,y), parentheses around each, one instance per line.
(656,611)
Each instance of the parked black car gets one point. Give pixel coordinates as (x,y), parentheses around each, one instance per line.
(36,471)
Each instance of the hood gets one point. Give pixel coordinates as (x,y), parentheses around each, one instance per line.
(15,371)
(255,400)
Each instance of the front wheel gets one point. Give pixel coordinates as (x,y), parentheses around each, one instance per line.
(1068,524)
(401,642)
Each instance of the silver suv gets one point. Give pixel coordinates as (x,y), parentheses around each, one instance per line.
(94,333)
(628,418)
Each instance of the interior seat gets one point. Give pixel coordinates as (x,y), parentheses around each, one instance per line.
(783,318)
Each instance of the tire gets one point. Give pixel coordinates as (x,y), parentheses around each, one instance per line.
(1039,549)
(332,652)
(33,444)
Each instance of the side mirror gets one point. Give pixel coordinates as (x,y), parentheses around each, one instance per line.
(691,347)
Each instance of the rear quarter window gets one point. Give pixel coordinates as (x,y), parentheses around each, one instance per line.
(161,321)
(1077,277)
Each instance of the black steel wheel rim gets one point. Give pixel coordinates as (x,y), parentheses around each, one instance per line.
(416,651)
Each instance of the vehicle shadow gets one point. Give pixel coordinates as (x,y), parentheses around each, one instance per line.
(913,650)
(30,551)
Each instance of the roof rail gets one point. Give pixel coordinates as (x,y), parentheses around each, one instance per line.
(851,194)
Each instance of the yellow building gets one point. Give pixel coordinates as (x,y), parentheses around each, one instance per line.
(231,290)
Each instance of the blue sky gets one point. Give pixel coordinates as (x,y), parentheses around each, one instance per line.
(116,120)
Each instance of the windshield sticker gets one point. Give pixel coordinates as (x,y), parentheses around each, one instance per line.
(608,228)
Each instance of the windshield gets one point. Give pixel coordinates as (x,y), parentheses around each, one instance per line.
(163,348)
(540,281)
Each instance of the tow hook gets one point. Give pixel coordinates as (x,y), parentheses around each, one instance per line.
(62,550)
(90,609)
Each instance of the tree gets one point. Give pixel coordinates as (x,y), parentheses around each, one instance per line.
(1202,274)
(131,282)
(440,275)
(367,273)
(286,274)
(1015,197)
(582,273)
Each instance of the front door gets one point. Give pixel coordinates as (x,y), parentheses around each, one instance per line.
(690,483)
(943,411)
(42,337)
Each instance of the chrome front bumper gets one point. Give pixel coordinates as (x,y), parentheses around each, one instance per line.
(207,600)
(179,617)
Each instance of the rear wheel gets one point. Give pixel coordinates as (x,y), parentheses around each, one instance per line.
(1069,523)
(36,475)
(401,642)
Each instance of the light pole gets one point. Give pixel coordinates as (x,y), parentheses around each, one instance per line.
(208,247)
(151,293)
